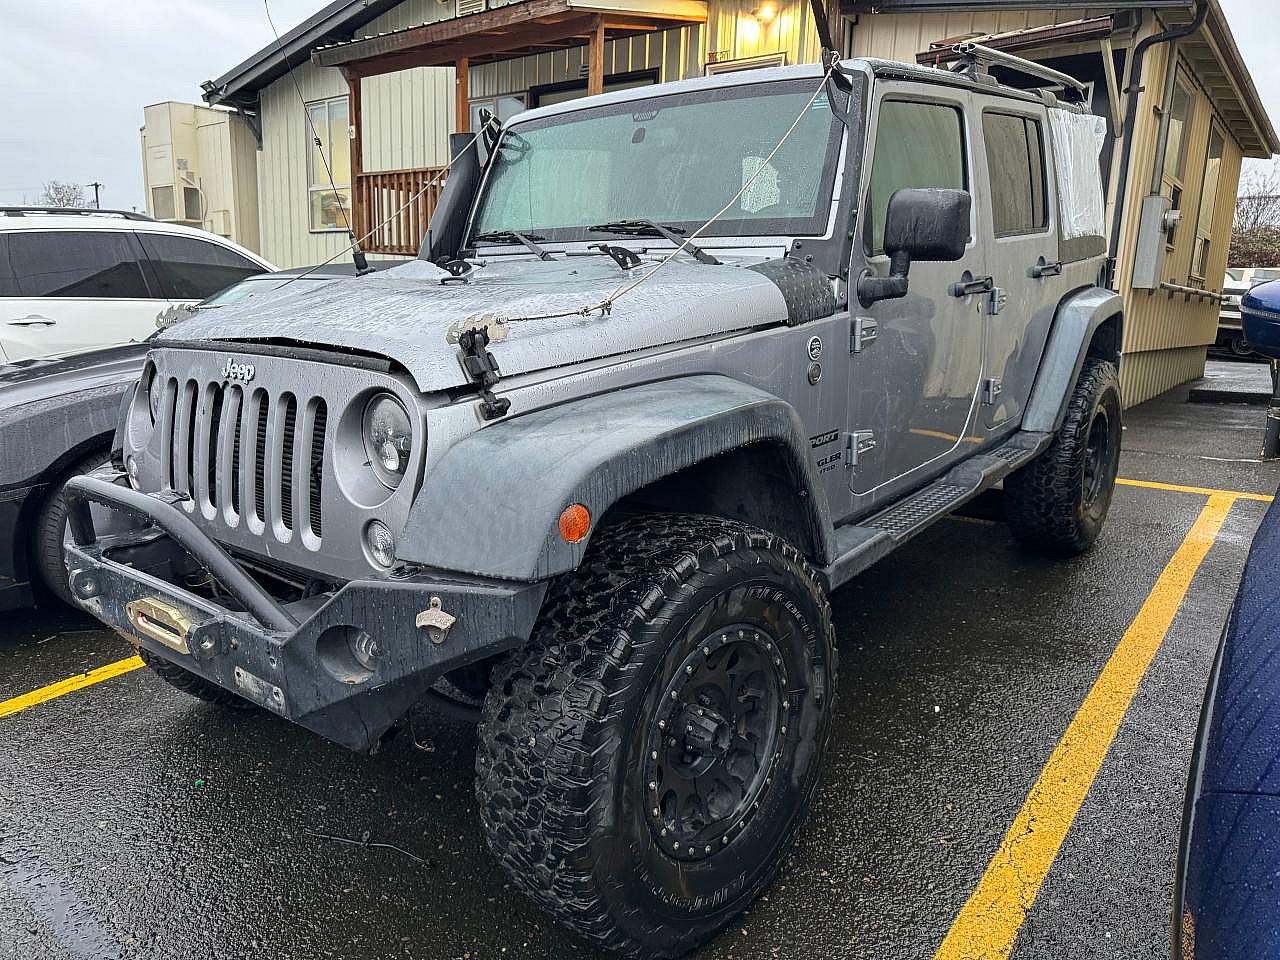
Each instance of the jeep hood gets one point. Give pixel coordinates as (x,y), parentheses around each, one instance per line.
(405,313)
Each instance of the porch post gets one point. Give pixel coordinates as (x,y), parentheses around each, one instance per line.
(358,211)
(462,95)
(595,54)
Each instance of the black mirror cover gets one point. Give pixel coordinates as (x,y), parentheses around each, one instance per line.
(928,224)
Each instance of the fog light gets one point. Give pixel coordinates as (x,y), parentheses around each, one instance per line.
(381,543)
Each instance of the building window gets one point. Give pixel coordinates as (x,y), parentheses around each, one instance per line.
(917,145)
(504,108)
(1175,150)
(1208,204)
(1015,156)
(329,202)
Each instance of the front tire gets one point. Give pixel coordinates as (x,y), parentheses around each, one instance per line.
(192,684)
(50,532)
(1058,503)
(647,760)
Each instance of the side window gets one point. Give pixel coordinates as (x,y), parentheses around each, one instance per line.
(1015,157)
(917,145)
(192,269)
(102,264)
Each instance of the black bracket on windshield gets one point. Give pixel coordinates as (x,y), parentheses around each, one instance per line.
(624,258)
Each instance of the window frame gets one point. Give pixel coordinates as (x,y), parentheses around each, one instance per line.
(1046,205)
(1175,180)
(961,108)
(1197,270)
(317,180)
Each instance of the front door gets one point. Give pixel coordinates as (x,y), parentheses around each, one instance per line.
(916,384)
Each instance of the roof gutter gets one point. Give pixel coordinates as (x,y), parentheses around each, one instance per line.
(1131,117)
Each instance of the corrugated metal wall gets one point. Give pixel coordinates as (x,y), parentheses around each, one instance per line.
(1166,335)
(902,36)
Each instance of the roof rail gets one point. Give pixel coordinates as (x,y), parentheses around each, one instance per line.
(974,56)
(75,211)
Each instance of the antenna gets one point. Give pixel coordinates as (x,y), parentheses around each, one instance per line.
(357,255)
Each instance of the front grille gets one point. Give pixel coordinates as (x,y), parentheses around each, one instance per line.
(230,448)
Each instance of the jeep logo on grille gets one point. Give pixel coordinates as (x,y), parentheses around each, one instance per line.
(237,371)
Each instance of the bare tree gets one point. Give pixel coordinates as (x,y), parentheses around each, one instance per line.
(1255,232)
(59,193)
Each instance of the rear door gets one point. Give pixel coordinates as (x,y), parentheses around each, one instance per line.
(1021,234)
(914,384)
(68,290)
(188,269)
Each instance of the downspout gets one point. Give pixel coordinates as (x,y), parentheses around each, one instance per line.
(1131,117)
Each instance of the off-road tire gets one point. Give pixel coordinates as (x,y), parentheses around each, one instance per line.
(192,684)
(51,527)
(1058,502)
(565,730)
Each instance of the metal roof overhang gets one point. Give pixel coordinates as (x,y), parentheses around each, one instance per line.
(519,29)
(1094,28)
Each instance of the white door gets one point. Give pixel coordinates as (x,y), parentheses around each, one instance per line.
(68,290)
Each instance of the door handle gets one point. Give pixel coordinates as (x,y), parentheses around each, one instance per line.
(969,285)
(32,320)
(1043,268)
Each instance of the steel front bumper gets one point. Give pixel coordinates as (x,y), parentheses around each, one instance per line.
(347,665)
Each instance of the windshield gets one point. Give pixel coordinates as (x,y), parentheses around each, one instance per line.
(675,160)
(245,289)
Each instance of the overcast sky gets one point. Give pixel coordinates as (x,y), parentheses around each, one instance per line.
(76,74)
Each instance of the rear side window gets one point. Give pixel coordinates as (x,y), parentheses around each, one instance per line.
(1015,157)
(99,264)
(917,145)
(192,269)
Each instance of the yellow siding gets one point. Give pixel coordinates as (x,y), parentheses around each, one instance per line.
(1166,335)
(902,36)
(733,33)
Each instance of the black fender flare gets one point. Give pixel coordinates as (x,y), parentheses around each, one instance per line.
(491,504)
(1078,317)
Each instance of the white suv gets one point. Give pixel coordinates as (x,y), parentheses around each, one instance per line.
(73,279)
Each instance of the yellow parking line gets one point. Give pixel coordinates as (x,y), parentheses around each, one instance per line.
(70,685)
(988,925)
(1199,491)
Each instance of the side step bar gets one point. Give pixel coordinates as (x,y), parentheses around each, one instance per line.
(863,543)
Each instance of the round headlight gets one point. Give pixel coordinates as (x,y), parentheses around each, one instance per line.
(388,438)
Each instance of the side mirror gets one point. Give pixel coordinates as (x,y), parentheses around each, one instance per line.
(928,224)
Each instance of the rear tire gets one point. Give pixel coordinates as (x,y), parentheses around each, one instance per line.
(1058,503)
(648,759)
(51,530)
(192,684)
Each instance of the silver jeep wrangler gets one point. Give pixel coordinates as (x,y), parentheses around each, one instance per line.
(674,364)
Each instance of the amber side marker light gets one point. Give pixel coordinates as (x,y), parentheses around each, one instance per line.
(575,522)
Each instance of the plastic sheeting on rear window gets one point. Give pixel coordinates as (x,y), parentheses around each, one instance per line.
(1078,139)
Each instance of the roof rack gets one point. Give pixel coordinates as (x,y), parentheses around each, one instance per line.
(974,58)
(75,211)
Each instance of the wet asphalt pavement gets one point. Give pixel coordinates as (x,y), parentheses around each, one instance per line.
(137,823)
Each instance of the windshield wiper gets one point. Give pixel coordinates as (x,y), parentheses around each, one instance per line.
(647,228)
(512,236)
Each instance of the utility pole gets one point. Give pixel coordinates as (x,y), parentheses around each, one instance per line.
(96,187)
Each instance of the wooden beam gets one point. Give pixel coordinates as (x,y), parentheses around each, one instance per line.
(356,121)
(462,94)
(595,65)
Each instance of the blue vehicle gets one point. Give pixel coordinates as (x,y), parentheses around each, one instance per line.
(1260,318)
(1227,889)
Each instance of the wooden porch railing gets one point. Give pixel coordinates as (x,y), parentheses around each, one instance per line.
(379,196)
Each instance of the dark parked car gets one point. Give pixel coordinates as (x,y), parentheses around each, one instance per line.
(1227,897)
(1260,318)
(57,415)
